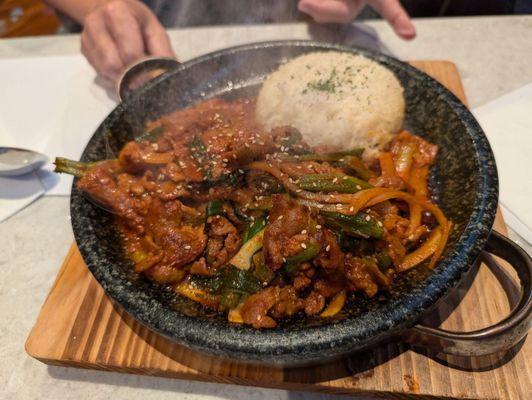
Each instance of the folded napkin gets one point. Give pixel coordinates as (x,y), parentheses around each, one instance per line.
(52,105)
(507,122)
(17,193)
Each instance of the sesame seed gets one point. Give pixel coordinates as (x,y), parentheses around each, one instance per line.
(303,245)
(320,206)
(345,177)
(351,208)
(280,217)
(284,259)
(379,223)
(335,180)
(368,218)
(188,247)
(318,226)
(359,187)
(328,247)
(241,170)
(304,231)
(225,160)
(338,205)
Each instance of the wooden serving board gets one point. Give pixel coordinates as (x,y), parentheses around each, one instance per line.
(79,326)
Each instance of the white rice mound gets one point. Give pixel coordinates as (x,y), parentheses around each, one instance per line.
(334,99)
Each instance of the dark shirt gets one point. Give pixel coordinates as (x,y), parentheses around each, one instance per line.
(179,13)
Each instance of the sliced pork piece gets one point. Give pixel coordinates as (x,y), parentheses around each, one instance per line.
(288,219)
(99,183)
(256,307)
(223,243)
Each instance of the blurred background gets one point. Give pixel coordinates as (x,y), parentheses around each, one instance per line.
(34,17)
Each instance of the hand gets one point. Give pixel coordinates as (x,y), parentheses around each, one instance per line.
(119,32)
(344,11)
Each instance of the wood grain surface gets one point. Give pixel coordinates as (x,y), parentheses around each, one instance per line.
(27,18)
(79,326)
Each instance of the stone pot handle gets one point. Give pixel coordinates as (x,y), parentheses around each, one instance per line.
(495,338)
(141,72)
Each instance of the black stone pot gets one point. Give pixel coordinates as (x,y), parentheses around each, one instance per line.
(464,180)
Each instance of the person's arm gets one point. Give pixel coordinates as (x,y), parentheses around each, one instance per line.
(116,32)
(344,11)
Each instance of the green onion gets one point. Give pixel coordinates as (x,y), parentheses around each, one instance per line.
(307,254)
(214,207)
(242,259)
(359,167)
(331,183)
(361,225)
(261,270)
(76,168)
(239,280)
(330,157)
(229,299)
(264,204)
(253,228)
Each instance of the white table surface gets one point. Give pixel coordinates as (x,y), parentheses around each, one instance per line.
(493,54)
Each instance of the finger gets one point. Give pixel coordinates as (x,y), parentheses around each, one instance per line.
(101,50)
(90,53)
(155,37)
(125,31)
(341,11)
(397,17)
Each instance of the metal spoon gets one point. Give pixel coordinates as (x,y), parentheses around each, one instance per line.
(15,161)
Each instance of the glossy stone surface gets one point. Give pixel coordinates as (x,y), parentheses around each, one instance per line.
(464,178)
